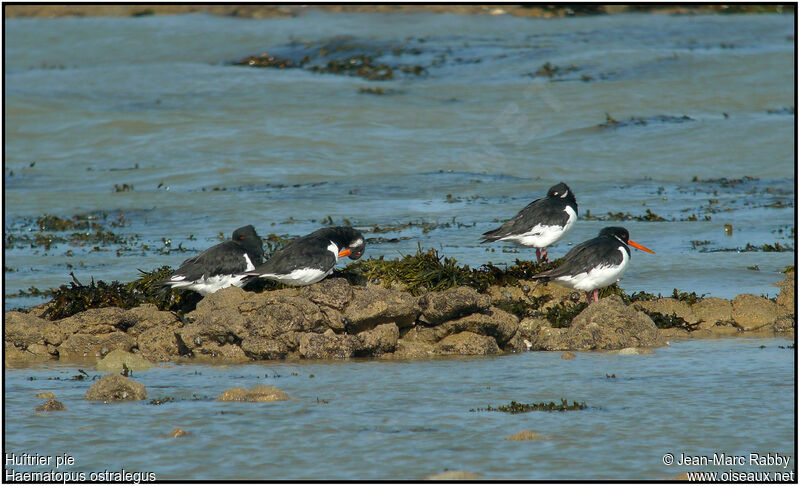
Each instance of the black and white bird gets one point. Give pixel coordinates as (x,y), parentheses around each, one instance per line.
(310,258)
(541,223)
(221,265)
(595,263)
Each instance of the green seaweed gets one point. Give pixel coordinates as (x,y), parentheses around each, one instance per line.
(667,321)
(690,298)
(516,407)
(562,314)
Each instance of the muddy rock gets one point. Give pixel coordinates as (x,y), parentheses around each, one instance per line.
(467,343)
(24,329)
(568,355)
(375,342)
(274,313)
(114,388)
(785,325)
(632,351)
(668,306)
(159,344)
(45,395)
(331,292)
(531,326)
(719,330)
(377,305)
(259,393)
(753,312)
(16,357)
(454,303)
(328,345)
(258,347)
(516,344)
(146,317)
(411,349)
(506,294)
(81,346)
(494,322)
(712,310)
(115,360)
(50,406)
(215,333)
(95,321)
(608,324)
(178,432)
(786,297)
(525,435)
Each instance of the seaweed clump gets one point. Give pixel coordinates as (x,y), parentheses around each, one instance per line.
(516,407)
(664,321)
(77,297)
(561,315)
(427,271)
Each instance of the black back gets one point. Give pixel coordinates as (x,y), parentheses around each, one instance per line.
(601,250)
(226,258)
(311,251)
(548,210)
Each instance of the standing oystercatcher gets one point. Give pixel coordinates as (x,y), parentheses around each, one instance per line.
(541,223)
(221,265)
(595,263)
(310,258)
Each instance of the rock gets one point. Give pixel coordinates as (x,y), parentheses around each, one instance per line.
(257,347)
(115,360)
(80,346)
(45,395)
(328,345)
(516,344)
(786,297)
(672,333)
(716,331)
(23,329)
(494,322)
(412,350)
(785,325)
(530,326)
(159,343)
(712,310)
(115,387)
(467,343)
(454,303)
(630,351)
(377,305)
(227,298)
(506,294)
(331,292)
(380,340)
(214,333)
(178,432)
(50,406)
(95,321)
(16,357)
(147,317)
(259,393)
(752,312)
(568,355)
(525,435)
(453,476)
(668,306)
(608,324)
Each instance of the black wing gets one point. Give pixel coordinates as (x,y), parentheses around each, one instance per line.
(541,211)
(223,259)
(586,256)
(306,252)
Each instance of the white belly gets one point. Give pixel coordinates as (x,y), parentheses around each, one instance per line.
(206,286)
(597,277)
(301,276)
(541,236)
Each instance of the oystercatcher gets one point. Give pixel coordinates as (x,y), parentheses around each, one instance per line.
(541,223)
(310,258)
(221,265)
(594,263)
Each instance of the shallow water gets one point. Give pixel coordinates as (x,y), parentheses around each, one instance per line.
(154,102)
(406,420)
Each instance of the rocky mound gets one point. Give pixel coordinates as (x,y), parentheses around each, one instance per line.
(334,319)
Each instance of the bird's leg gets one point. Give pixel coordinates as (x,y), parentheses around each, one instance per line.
(538,256)
(596,295)
(544,255)
(588,296)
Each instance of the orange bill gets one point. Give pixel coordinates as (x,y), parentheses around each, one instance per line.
(640,247)
(345,252)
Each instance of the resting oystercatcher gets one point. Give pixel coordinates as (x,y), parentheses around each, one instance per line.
(541,223)
(310,258)
(221,265)
(595,263)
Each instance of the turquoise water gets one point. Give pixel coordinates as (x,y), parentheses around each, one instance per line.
(407,420)
(155,102)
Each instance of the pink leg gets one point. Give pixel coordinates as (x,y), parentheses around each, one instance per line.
(544,255)
(538,256)
(596,295)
